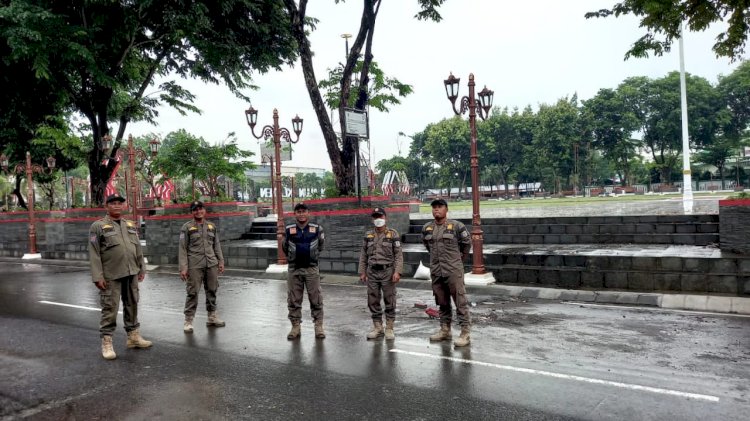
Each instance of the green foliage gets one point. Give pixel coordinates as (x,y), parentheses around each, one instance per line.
(191,156)
(102,56)
(662,20)
(382,91)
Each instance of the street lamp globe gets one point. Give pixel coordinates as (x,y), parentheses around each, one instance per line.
(251,115)
(485,99)
(451,87)
(154,146)
(51,162)
(297,125)
(106,142)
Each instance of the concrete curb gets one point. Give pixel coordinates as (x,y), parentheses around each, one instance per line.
(691,302)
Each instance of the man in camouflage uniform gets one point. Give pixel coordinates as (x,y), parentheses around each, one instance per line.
(449,243)
(380,266)
(303,243)
(116,261)
(201,261)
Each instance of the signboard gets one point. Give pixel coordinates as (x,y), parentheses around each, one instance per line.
(267,149)
(355,123)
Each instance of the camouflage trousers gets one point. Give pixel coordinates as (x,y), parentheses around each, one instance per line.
(380,286)
(298,280)
(446,287)
(197,277)
(126,289)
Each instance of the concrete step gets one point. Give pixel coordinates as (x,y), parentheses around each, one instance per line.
(617,266)
(698,239)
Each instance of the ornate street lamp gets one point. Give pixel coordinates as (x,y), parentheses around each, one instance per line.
(276,133)
(133,152)
(29,169)
(481,104)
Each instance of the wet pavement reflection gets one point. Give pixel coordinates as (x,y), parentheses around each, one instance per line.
(534,354)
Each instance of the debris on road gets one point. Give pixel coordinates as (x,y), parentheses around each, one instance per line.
(433,313)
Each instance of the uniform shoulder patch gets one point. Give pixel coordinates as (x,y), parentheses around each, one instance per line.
(93,238)
(210,226)
(428,228)
(388,234)
(193,229)
(313,229)
(450,226)
(105,226)
(293,230)
(130,224)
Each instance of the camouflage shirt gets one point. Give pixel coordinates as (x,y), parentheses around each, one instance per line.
(114,249)
(199,246)
(381,248)
(446,243)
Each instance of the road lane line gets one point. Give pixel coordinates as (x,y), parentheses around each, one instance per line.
(69,305)
(708,398)
(73,306)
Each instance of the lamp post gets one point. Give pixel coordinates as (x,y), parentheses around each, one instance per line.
(475,104)
(133,153)
(268,158)
(276,133)
(29,169)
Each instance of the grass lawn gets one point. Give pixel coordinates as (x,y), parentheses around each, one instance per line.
(570,201)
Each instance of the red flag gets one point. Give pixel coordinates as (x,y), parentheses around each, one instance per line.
(111,188)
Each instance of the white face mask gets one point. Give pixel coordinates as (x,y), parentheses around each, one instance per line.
(380,222)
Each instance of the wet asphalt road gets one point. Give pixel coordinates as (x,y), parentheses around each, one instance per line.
(528,360)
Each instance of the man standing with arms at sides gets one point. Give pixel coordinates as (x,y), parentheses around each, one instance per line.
(303,243)
(117,266)
(380,266)
(201,261)
(449,243)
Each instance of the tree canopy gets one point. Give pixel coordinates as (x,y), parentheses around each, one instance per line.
(662,20)
(104,56)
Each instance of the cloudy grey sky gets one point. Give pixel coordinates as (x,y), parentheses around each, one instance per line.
(529,52)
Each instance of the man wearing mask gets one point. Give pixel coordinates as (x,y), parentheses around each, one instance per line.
(449,243)
(117,266)
(201,261)
(380,266)
(303,243)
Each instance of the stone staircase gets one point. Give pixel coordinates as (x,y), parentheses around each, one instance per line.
(261,230)
(676,253)
(640,253)
(697,230)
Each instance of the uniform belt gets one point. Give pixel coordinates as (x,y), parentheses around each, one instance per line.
(380,267)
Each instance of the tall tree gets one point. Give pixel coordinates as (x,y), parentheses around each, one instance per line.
(343,153)
(449,145)
(506,133)
(555,134)
(191,156)
(104,55)
(657,103)
(613,127)
(662,21)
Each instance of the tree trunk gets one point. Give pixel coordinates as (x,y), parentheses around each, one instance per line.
(17,193)
(343,158)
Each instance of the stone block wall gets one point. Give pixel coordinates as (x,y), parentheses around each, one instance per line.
(734,225)
(162,228)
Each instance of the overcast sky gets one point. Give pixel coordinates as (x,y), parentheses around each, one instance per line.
(529,52)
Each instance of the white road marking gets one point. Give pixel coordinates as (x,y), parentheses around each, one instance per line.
(565,376)
(664,310)
(73,306)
